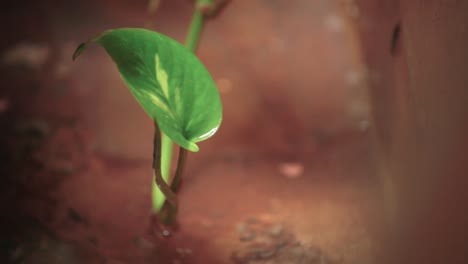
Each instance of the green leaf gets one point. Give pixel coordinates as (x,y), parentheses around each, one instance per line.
(168,81)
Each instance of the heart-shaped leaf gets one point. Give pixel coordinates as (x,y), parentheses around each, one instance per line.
(168,81)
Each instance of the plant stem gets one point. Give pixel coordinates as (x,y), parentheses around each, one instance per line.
(168,213)
(158,197)
(159,181)
(180,168)
(193,35)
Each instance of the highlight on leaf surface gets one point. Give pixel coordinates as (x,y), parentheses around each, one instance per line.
(169,82)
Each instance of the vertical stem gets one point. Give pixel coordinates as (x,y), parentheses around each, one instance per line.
(180,168)
(169,210)
(158,197)
(159,181)
(156,149)
(193,37)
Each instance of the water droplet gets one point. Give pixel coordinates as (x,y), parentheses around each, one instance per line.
(165,233)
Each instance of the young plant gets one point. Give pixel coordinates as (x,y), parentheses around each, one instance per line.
(175,90)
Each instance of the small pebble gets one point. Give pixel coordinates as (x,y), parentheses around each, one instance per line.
(281,243)
(252,220)
(334,23)
(144,243)
(267,253)
(241,228)
(153,6)
(364,125)
(291,170)
(247,236)
(276,230)
(297,252)
(184,251)
(166,233)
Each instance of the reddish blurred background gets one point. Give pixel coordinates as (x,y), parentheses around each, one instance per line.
(290,176)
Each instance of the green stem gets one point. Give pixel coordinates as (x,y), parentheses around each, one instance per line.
(158,197)
(159,181)
(193,37)
(168,213)
(180,168)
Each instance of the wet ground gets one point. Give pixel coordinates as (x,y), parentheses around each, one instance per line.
(287,179)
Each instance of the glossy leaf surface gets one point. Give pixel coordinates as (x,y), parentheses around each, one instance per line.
(168,81)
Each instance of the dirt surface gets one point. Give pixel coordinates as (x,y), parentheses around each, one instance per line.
(288,178)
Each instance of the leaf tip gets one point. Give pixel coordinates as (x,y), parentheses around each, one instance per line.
(79,50)
(193,147)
